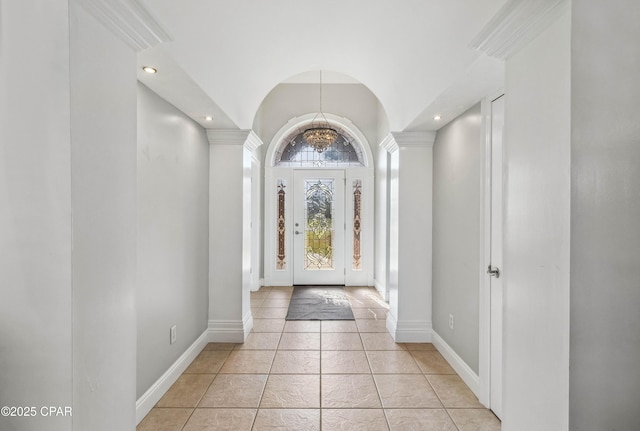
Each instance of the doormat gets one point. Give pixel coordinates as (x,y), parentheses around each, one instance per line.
(319,303)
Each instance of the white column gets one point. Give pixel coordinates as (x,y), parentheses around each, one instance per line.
(231,157)
(410,220)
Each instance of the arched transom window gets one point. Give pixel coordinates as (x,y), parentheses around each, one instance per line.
(294,151)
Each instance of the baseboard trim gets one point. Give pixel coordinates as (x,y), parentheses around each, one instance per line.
(392,324)
(247,324)
(464,371)
(149,399)
(227,331)
(413,331)
(381,288)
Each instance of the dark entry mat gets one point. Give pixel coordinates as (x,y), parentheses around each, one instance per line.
(319,303)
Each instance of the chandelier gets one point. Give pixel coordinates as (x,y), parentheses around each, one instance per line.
(320,135)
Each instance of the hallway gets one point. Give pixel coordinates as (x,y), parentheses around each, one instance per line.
(311,375)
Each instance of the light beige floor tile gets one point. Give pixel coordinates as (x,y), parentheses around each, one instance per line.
(432,362)
(302,326)
(363,292)
(288,420)
(371,325)
(419,346)
(220,346)
(208,362)
(268,325)
(276,303)
(291,391)
(419,420)
(406,391)
(248,362)
(270,313)
(256,302)
(260,341)
(299,341)
(235,390)
(341,341)
(296,362)
(475,420)
(161,419)
(453,392)
(380,341)
(370,313)
(221,420)
(367,303)
(345,362)
(186,391)
(261,294)
(287,289)
(353,420)
(339,326)
(392,362)
(280,293)
(349,391)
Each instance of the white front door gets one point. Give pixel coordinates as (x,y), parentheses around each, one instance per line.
(318,227)
(497,126)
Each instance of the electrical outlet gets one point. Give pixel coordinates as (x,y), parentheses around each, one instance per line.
(172,334)
(451,321)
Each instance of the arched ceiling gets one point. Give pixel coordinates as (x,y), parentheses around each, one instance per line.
(411,54)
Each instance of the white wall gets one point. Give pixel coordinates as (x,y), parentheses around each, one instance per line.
(70,234)
(381,209)
(103,174)
(605,220)
(173,234)
(35,220)
(536,233)
(456,233)
(286,101)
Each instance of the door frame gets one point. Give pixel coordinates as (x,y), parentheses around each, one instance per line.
(485,342)
(274,176)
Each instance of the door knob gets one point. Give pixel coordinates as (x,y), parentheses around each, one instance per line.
(493,272)
(298,232)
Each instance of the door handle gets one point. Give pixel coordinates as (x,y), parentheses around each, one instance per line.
(493,272)
(298,232)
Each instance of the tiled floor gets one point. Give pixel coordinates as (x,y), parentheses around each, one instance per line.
(310,375)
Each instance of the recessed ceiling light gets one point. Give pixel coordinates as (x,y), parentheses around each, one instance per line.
(208,118)
(149,69)
(437,117)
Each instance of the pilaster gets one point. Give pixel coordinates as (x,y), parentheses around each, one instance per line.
(232,158)
(410,237)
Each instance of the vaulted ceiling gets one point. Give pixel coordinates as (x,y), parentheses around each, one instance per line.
(225,56)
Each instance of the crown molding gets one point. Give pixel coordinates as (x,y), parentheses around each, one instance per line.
(389,143)
(517,23)
(248,138)
(227,136)
(253,141)
(128,20)
(414,139)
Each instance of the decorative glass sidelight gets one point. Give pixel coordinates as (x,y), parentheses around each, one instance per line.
(357,227)
(280,260)
(319,229)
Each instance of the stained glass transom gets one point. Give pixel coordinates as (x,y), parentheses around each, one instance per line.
(298,153)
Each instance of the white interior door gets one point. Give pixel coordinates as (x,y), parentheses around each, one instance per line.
(318,227)
(497,127)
